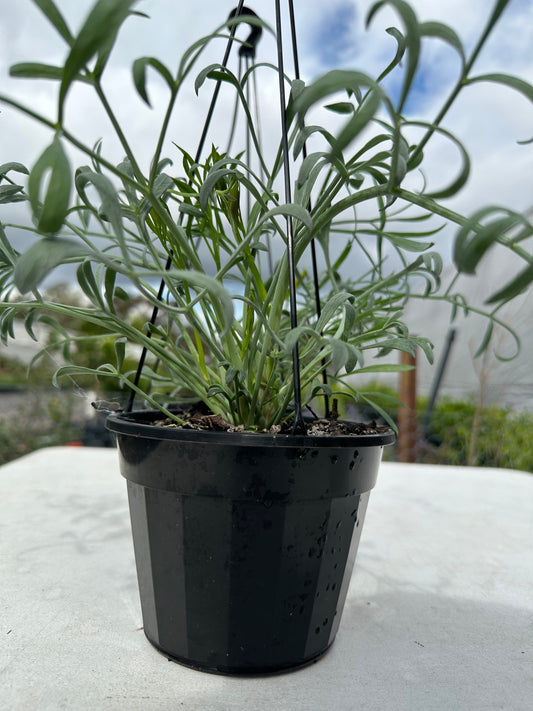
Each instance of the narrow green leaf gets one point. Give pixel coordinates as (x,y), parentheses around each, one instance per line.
(474,238)
(295,335)
(342,257)
(88,284)
(101,25)
(407,345)
(35,70)
(304,133)
(342,80)
(515,287)
(139,75)
(210,183)
(7,329)
(5,168)
(311,166)
(6,250)
(445,33)
(292,210)
(106,48)
(221,299)
(52,165)
(70,370)
(400,51)
(51,12)
(383,413)
(11,193)
(232,374)
(350,315)
(119,293)
(162,184)
(215,390)
(109,288)
(409,245)
(341,107)
(214,71)
(331,307)
(486,339)
(187,209)
(399,159)
(385,368)
(110,203)
(120,351)
(41,258)
(433,262)
(339,354)
(412,41)
(28,324)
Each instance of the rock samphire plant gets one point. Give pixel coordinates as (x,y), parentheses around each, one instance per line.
(223,334)
(245,541)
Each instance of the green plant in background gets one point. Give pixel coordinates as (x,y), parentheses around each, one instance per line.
(500,439)
(38,419)
(224,334)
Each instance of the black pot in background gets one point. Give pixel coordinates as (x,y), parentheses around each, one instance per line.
(244,543)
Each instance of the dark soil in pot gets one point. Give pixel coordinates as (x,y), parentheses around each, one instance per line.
(244,543)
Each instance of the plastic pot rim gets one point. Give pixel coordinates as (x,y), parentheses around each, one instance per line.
(130,424)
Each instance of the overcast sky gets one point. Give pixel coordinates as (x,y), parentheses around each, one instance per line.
(490,120)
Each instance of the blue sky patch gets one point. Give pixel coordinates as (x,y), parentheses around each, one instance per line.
(333,36)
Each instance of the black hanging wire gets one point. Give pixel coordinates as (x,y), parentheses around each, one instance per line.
(298,425)
(316,283)
(247,65)
(240,10)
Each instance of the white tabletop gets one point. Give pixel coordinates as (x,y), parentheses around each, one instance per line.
(439,615)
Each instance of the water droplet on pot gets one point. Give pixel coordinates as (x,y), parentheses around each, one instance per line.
(317,630)
(352,464)
(334,459)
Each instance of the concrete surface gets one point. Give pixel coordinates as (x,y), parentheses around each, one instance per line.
(439,614)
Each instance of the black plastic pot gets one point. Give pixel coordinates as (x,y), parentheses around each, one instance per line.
(244,543)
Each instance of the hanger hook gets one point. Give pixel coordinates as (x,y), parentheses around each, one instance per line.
(248,48)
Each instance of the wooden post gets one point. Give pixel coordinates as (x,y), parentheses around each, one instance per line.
(407,414)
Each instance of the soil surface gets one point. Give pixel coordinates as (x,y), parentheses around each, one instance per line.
(199,417)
